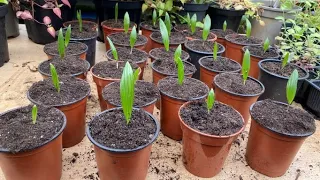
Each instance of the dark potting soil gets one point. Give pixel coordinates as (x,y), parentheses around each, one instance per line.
(69,65)
(108,69)
(72,49)
(222,120)
(90,24)
(222,34)
(175,37)
(149,26)
(124,39)
(184,27)
(233,82)
(161,53)
(243,40)
(283,119)
(144,93)
(113,24)
(124,55)
(19,134)
(276,68)
(111,130)
(189,90)
(258,51)
(202,46)
(71,90)
(222,64)
(85,33)
(169,67)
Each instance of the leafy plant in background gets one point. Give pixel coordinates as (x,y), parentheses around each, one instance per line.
(292,86)
(79,17)
(215,51)
(127,83)
(210,100)
(114,51)
(4,1)
(224,26)
(116,12)
(245,66)
(28,14)
(34,114)
(63,42)
(206,27)
(55,78)
(164,34)
(193,23)
(133,38)
(266,45)
(126,22)
(154,18)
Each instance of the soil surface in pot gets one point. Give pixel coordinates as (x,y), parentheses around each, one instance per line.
(203,46)
(19,134)
(169,67)
(189,90)
(184,27)
(108,69)
(242,39)
(124,39)
(222,120)
(221,64)
(111,130)
(124,55)
(144,93)
(149,26)
(113,24)
(175,37)
(67,66)
(161,53)
(91,24)
(85,33)
(258,51)
(233,82)
(283,119)
(276,68)
(73,48)
(71,90)
(222,34)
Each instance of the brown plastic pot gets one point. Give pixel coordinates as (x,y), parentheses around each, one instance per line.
(78,75)
(269,152)
(207,75)
(119,164)
(94,26)
(169,114)
(147,33)
(43,162)
(157,44)
(82,55)
(153,58)
(204,155)
(240,102)
(75,113)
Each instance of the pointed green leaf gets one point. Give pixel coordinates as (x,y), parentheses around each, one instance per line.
(215,51)
(34,114)
(286,59)
(61,44)
(154,17)
(127,91)
(193,23)
(168,23)
(248,28)
(266,45)
(116,10)
(136,74)
(79,20)
(177,54)
(245,66)
(68,36)
(188,19)
(164,34)
(55,78)
(126,22)
(210,100)
(292,86)
(113,49)
(133,37)
(224,26)
(206,27)
(180,71)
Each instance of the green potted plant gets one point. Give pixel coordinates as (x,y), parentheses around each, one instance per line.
(194,7)
(112,132)
(280,126)
(4,52)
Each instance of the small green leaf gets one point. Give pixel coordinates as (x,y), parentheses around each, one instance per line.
(34,114)
(55,78)
(168,5)
(286,59)
(188,19)
(164,34)
(61,44)
(177,54)
(116,10)
(215,51)
(193,23)
(68,36)
(248,28)
(224,26)
(206,27)
(79,20)
(292,86)
(168,23)
(133,37)
(245,66)
(266,45)
(127,91)
(113,49)
(154,17)
(126,22)
(136,75)
(180,71)
(210,100)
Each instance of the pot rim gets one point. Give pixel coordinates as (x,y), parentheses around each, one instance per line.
(212,30)
(160,42)
(278,55)
(209,135)
(136,44)
(278,76)
(201,52)
(108,27)
(76,74)
(291,11)
(237,94)
(46,142)
(153,57)
(283,134)
(227,38)
(216,71)
(72,42)
(180,99)
(138,62)
(187,74)
(142,27)
(122,150)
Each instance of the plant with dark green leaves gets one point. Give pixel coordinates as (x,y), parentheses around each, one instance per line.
(116,10)
(63,42)
(292,86)
(215,51)
(245,66)
(210,100)
(193,23)
(266,45)
(133,38)
(127,84)
(79,17)
(206,27)
(114,51)
(154,18)
(167,22)
(286,60)
(164,34)
(126,22)
(248,28)
(224,27)
(55,78)
(177,54)
(34,114)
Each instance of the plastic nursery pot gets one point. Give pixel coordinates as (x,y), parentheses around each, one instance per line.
(240,102)
(159,44)
(120,164)
(270,152)
(141,46)
(195,55)
(275,84)
(81,75)
(207,75)
(147,32)
(203,154)
(313,98)
(46,160)
(81,55)
(4,52)
(93,25)
(153,58)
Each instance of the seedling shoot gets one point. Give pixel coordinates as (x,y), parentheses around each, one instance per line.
(245,66)
(292,86)
(215,51)
(114,51)
(224,27)
(164,34)
(63,42)
(79,17)
(179,63)
(34,114)
(286,59)
(168,23)
(154,18)
(116,9)
(126,22)
(133,38)
(210,100)
(55,78)
(193,23)
(248,28)
(206,27)
(177,53)
(266,45)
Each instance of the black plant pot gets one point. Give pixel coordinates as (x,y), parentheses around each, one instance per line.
(12,23)
(4,53)
(105,11)
(302,94)
(313,99)
(91,53)
(218,16)
(275,85)
(191,8)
